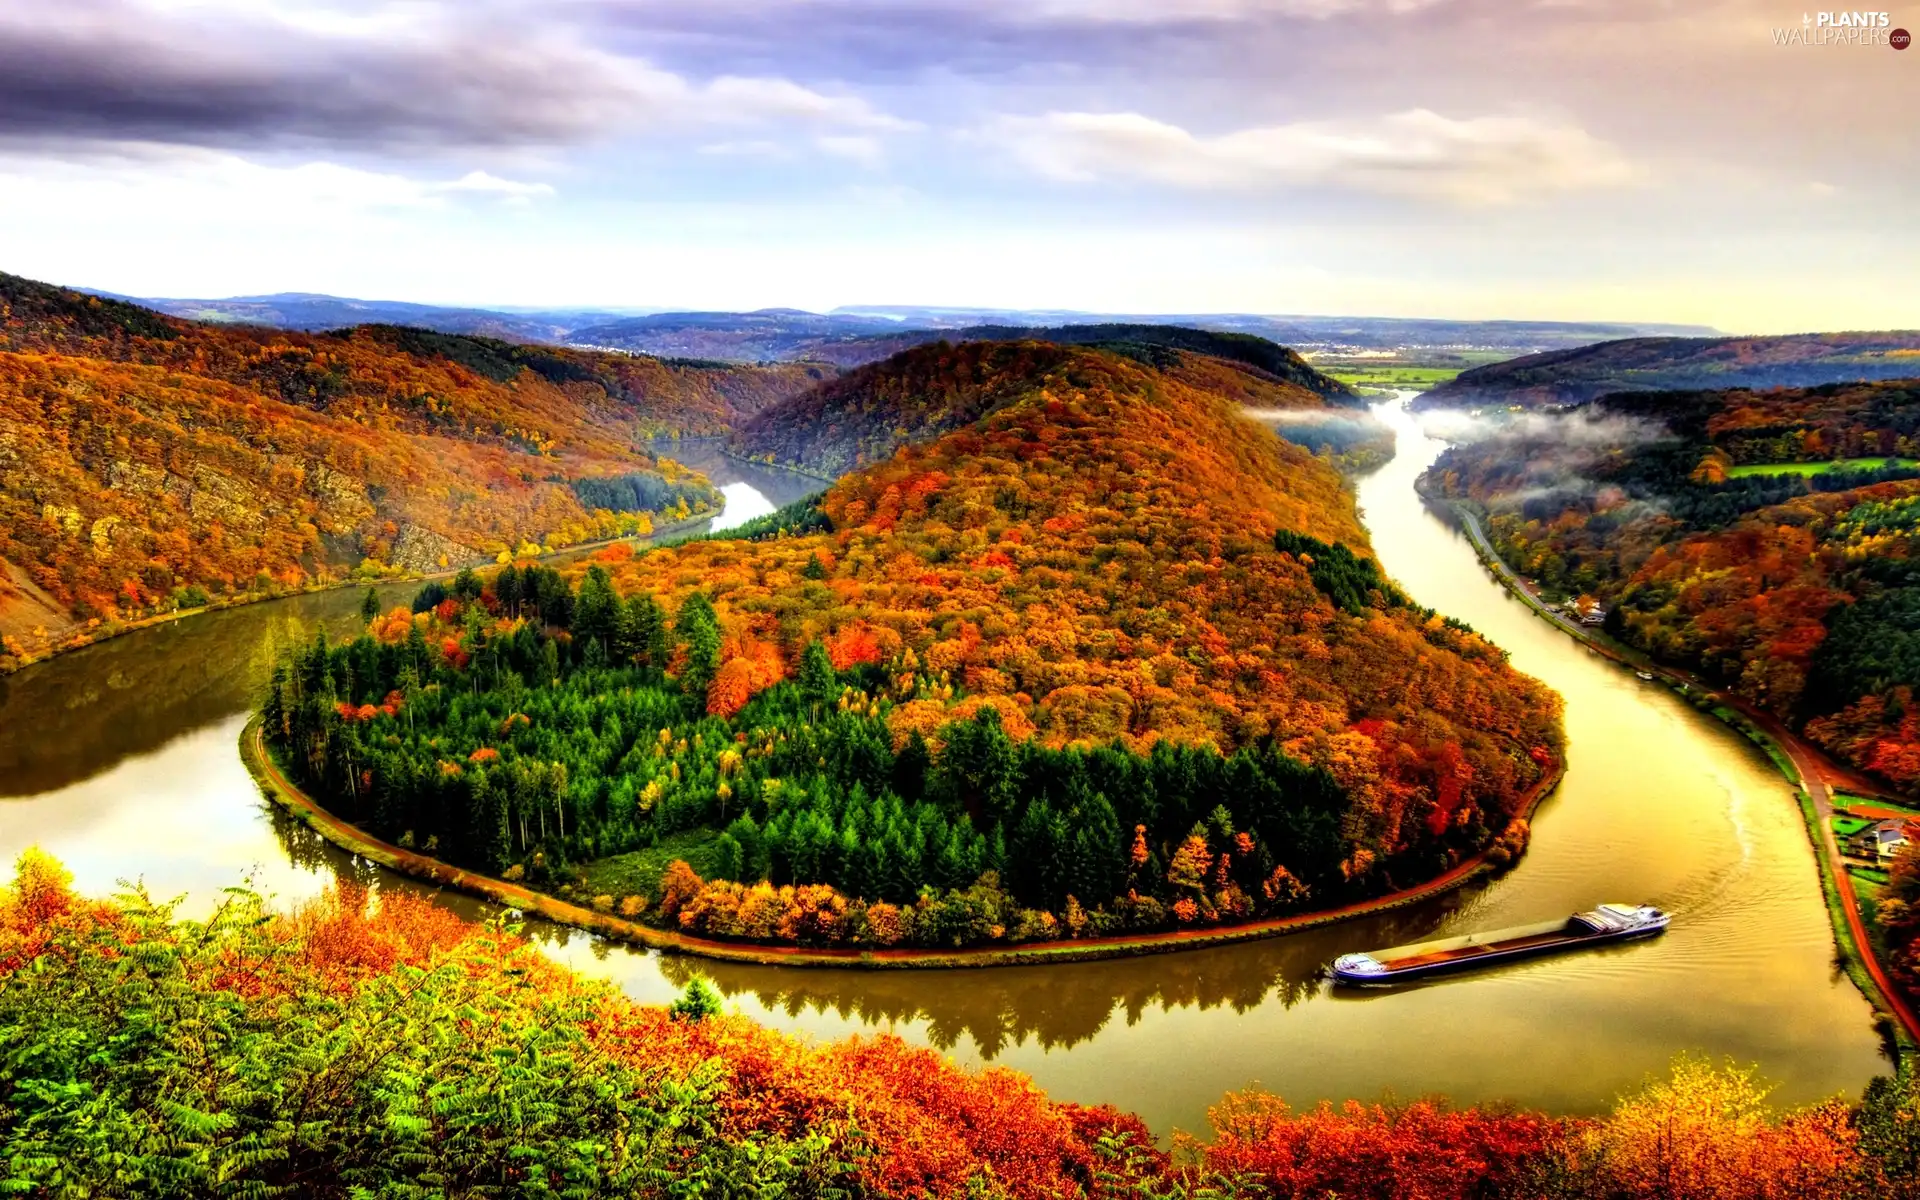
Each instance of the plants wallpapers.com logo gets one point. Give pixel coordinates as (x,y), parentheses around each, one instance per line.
(1843,29)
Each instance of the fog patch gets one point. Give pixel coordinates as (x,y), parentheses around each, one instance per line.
(1325,429)
(1583,428)
(1545,463)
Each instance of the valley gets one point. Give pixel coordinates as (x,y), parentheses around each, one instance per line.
(913,600)
(149,465)
(1659,802)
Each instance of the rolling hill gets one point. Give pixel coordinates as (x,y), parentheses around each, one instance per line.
(315,313)
(1765,539)
(1567,377)
(148,462)
(1141,340)
(864,416)
(1104,655)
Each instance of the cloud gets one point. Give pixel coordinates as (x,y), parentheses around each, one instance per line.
(735,98)
(189,185)
(864,149)
(120,70)
(481,181)
(859,148)
(1154,12)
(1479,160)
(419,77)
(1584,429)
(750,148)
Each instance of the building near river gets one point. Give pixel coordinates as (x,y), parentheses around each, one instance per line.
(1882,840)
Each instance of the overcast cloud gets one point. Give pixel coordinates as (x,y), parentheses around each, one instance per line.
(1628,160)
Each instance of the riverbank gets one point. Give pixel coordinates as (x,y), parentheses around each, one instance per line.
(825,479)
(124,762)
(1803,766)
(79,637)
(289,796)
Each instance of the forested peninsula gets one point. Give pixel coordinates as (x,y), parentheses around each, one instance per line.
(1075,668)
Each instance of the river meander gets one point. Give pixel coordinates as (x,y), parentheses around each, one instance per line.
(122,760)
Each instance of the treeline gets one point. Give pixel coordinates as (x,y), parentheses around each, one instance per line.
(641,491)
(527,728)
(1354,584)
(350,1049)
(865,415)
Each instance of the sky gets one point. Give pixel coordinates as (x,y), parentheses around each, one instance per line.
(1633,160)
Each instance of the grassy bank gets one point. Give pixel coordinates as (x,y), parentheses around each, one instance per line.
(1820,468)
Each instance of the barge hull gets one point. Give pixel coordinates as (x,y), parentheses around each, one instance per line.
(1606,924)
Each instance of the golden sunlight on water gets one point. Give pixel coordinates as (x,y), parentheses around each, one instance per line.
(121,759)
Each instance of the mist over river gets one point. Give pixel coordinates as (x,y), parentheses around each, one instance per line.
(122,760)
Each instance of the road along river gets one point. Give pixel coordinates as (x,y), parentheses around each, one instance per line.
(122,759)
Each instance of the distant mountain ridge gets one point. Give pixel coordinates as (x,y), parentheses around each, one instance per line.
(1136,339)
(317,313)
(787,333)
(1575,376)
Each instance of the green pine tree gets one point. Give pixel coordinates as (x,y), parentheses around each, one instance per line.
(697,1003)
(596,608)
(698,628)
(819,682)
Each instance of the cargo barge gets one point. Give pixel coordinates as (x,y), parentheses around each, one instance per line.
(1607,923)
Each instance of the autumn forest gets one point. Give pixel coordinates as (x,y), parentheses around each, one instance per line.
(1067,652)
(149,464)
(1057,673)
(1765,539)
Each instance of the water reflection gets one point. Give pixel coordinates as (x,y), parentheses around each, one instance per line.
(991,1011)
(752,490)
(83,713)
(121,760)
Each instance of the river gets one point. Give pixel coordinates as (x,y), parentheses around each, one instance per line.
(121,759)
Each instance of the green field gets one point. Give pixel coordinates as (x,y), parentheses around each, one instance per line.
(1413,369)
(638,873)
(1846,827)
(1820,468)
(1845,800)
(1392,378)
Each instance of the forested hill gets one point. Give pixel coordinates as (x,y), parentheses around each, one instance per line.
(1150,343)
(1108,657)
(1767,539)
(1564,377)
(862,417)
(148,462)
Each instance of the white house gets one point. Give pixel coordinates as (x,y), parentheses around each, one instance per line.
(1883,839)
